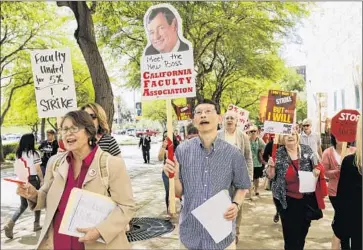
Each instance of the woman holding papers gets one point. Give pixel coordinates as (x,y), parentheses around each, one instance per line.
(332,160)
(81,167)
(287,184)
(31,158)
(347,224)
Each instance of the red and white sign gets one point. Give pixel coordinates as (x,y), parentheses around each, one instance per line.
(21,171)
(344,125)
(167,64)
(242,116)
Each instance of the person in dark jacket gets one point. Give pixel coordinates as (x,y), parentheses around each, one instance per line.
(347,222)
(145,141)
(48,148)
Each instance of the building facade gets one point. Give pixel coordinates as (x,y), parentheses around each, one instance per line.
(333,45)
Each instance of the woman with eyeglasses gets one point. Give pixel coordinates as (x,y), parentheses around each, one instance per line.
(104,140)
(294,206)
(27,153)
(257,147)
(78,167)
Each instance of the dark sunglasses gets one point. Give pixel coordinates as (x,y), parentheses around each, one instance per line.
(93,116)
(306,125)
(253,131)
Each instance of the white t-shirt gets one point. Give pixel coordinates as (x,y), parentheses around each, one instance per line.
(31,161)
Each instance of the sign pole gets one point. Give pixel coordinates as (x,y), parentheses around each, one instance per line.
(344,150)
(169,119)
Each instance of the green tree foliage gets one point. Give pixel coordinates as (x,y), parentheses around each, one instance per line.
(231,40)
(26,26)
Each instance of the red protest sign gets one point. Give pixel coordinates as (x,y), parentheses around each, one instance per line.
(344,125)
(184,113)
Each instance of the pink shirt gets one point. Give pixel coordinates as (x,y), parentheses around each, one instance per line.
(332,169)
(62,241)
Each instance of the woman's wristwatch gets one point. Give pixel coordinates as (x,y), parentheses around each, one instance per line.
(238,205)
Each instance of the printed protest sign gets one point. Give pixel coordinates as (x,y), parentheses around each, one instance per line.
(167,64)
(280,112)
(184,113)
(242,116)
(53,81)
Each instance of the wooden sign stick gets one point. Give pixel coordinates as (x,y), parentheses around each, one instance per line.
(344,150)
(169,119)
(274,147)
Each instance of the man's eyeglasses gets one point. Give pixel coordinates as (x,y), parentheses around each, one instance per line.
(72,130)
(93,116)
(207,112)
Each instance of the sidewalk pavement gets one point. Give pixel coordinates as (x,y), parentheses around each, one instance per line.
(258,229)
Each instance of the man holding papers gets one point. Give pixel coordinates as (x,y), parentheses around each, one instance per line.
(205,166)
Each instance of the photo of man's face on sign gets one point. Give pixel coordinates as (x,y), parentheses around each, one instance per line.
(163,28)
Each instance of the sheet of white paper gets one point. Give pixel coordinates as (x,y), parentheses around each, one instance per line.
(210,215)
(85,209)
(307,182)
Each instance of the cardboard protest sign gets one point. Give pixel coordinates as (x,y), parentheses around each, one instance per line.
(242,116)
(280,111)
(184,113)
(167,64)
(21,171)
(344,125)
(53,81)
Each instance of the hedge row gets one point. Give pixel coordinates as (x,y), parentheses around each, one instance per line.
(11,148)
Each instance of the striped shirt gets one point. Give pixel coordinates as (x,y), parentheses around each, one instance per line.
(108,144)
(203,174)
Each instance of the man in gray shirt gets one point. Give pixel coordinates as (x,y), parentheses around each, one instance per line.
(204,166)
(311,139)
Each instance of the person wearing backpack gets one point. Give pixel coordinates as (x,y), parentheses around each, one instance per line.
(27,154)
(86,166)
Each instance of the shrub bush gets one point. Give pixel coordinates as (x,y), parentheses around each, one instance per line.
(10,157)
(9,148)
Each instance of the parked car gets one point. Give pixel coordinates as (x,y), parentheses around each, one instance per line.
(131,132)
(148,132)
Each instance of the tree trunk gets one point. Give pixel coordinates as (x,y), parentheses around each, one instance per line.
(86,40)
(42,130)
(2,158)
